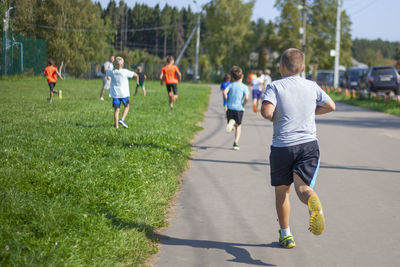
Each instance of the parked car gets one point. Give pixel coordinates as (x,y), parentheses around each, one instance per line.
(381,79)
(352,77)
(325,77)
(341,78)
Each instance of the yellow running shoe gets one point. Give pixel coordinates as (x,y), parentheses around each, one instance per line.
(286,241)
(317,220)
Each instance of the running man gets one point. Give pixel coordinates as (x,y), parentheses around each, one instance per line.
(108,65)
(172,77)
(291,103)
(51,72)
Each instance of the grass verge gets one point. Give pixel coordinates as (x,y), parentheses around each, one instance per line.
(74,190)
(390,107)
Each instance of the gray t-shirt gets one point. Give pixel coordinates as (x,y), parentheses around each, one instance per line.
(295,100)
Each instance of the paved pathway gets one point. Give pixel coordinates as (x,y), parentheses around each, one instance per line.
(225,214)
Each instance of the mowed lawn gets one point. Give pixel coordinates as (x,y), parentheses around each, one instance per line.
(76,191)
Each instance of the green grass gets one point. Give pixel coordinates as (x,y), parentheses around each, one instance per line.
(74,190)
(390,107)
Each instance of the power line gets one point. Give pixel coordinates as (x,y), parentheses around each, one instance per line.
(363,8)
(96,30)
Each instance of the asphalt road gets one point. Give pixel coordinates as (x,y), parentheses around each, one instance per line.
(225,213)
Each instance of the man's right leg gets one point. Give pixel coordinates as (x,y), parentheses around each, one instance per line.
(116,117)
(254,104)
(308,196)
(102,93)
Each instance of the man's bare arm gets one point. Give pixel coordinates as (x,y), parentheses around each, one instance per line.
(267,110)
(246,98)
(328,107)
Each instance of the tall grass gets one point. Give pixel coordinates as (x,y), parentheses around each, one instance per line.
(390,107)
(75,191)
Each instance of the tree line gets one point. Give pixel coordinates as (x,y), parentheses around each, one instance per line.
(81,31)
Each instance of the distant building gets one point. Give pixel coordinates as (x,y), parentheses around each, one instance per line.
(357,64)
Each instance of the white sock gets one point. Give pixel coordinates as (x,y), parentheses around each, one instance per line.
(285,232)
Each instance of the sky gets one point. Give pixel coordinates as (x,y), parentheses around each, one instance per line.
(371,19)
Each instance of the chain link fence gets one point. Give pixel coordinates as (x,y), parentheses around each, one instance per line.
(22,54)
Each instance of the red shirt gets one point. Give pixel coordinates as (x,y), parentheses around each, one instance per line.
(170,73)
(51,73)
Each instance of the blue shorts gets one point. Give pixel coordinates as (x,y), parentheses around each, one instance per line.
(303,159)
(256,94)
(117,102)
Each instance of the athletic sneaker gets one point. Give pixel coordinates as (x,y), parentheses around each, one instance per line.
(286,241)
(123,123)
(102,98)
(236,146)
(317,220)
(229,126)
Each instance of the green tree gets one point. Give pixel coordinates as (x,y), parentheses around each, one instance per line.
(289,24)
(74,30)
(323,32)
(397,57)
(227,23)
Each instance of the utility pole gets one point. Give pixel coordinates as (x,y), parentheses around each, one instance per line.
(5,44)
(337,46)
(304,41)
(196,67)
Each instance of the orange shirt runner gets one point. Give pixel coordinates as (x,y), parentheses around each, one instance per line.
(51,73)
(170,73)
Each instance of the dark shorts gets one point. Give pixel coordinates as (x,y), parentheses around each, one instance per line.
(141,84)
(235,115)
(172,87)
(117,102)
(303,159)
(52,85)
(256,94)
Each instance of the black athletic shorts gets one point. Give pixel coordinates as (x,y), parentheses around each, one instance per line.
(303,159)
(172,87)
(52,85)
(235,115)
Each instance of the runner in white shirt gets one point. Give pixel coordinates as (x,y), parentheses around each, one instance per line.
(257,86)
(119,90)
(108,65)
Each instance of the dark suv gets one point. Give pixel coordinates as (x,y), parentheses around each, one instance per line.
(381,79)
(352,77)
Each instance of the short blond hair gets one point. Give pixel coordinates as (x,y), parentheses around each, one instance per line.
(119,61)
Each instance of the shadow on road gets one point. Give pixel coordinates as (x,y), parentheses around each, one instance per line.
(392,123)
(323,166)
(240,255)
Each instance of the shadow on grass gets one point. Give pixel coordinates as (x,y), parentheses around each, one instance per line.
(79,124)
(151,146)
(122,225)
(240,254)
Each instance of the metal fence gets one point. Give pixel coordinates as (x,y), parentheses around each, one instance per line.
(22,54)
